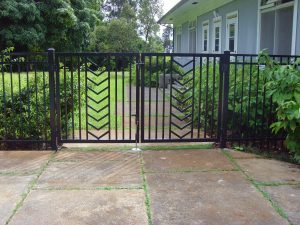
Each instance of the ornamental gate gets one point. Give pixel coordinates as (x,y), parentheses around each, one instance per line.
(127,98)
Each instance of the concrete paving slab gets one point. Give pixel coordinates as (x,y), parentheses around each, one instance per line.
(160,161)
(112,207)
(288,197)
(11,189)
(242,155)
(211,198)
(268,170)
(22,161)
(95,156)
(91,174)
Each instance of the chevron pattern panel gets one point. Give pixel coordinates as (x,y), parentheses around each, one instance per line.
(98,102)
(182,98)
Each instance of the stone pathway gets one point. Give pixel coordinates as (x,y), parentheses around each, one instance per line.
(168,187)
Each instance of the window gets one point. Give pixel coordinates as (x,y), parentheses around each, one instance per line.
(232,32)
(217,35)
(277,27)
(205,36)
(178,40)
(192,37)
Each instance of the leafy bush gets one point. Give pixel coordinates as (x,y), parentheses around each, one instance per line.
(206,101)
(24,105)
(23,113)
(283,85)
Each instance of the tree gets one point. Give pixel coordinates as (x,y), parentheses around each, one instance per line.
(20,25)
(116,36)
(149,12)
(166,37)
(67,24)
(115,8)
(37,25)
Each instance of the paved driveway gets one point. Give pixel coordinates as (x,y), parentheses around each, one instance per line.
(153,187)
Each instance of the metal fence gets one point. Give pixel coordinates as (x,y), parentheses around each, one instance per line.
(250,110)
(24,100)
(48,99)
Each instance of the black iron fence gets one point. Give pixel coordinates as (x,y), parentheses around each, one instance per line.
(24,100)
(48,99)
(250,110)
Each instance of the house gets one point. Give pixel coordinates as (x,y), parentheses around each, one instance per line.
(241,26)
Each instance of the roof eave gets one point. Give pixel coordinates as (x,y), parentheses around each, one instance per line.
(169,13)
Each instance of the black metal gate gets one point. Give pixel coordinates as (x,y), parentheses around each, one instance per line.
(97,97)
(181,97)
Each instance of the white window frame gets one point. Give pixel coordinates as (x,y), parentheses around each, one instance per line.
(295,27)
(272,7)
(193,28)
(232,18)
(178,32)
(217,23)
(205,26)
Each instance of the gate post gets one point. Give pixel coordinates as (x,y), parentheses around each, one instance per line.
(51,68)
(224,112)
(137,117)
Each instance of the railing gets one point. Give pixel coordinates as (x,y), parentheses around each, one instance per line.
(47,99)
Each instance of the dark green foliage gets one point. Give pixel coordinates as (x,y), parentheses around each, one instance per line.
(283,85)
(25,102)
(68,24)
(21,24)
(129,26)
(62,24)
(23,113)
(116,36)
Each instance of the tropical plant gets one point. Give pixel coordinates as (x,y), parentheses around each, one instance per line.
(283,85)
